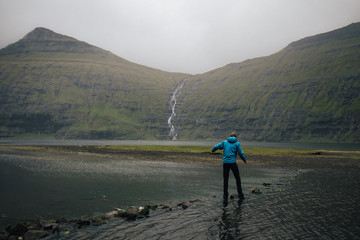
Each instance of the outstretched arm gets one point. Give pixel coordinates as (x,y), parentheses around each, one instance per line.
(218,146)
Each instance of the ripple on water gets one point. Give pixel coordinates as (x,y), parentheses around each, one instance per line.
(320,204)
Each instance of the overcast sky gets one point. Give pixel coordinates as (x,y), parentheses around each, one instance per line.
(192,36)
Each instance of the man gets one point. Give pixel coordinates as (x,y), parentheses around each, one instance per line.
(231,146)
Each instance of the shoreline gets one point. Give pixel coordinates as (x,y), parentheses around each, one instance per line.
(266,157)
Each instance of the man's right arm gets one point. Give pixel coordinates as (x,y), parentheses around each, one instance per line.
(218,146)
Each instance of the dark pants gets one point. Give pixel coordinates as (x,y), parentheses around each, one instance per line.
(234,168)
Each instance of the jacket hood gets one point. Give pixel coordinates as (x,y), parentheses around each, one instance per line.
(232,140)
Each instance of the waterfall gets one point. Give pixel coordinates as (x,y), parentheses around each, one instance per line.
(173,101)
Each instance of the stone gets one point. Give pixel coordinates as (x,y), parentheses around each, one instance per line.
(19,229)
(35,234)
(153,207)
(84,223)
(51,226)
(61,220)
(112,213)
(130,214)
(132,210)
(255,190)
(3,236)
(168,209)
(162,206)
(144,211)
(98,221)
(185,205)
(36,225)
(266,184)
(232,196)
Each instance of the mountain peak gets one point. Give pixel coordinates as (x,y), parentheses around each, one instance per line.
(45,40)
(348,32)
(44,33)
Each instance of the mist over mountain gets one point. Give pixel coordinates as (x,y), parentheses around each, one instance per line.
(55,85)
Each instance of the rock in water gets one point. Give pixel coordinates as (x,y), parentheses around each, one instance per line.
(35,234)
(19,229)
(255,190)
(232,196)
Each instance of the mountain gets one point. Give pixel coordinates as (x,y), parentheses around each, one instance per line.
(309,91)
(55,85)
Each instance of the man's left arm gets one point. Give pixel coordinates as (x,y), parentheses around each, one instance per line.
(241,153)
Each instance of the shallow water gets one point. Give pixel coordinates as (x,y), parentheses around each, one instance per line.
(314,204)
(321,204)
(49,185)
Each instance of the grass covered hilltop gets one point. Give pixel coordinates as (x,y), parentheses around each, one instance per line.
(257,156)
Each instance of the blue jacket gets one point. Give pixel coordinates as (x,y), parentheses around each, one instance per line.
(231,146)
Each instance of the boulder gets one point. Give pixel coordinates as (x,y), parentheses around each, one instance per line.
(35,234)
(184,205)
(51,227)
(113,213)
(232,196)
(80,222)
(99,220)
(3,236)
(19,229)
(61,220)
(36,225)
(162,206)
(168,209)
(144,211)
(153,206)
(255,190)
(128,215)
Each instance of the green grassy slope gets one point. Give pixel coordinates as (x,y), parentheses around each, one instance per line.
(56,85)
(309,91)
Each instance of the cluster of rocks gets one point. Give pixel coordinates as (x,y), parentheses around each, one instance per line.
(185,205)
(38,230)
(33,230)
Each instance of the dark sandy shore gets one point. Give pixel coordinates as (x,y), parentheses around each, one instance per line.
(291,160)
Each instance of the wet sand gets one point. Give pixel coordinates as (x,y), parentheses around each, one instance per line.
(316,159)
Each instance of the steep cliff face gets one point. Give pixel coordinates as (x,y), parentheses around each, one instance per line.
(56,85)
(307,92)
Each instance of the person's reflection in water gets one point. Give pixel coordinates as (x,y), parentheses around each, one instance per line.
(230,224)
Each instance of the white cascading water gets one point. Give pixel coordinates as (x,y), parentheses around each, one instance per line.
(173,102)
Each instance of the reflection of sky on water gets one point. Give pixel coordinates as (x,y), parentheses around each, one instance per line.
(72,183)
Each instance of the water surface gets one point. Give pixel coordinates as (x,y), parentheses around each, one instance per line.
(321,204)
(314,204)
(50,185)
